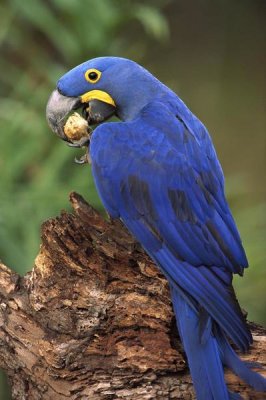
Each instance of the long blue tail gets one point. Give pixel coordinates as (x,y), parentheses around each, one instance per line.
(207,353)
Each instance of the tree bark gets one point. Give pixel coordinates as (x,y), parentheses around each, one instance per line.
(93,319)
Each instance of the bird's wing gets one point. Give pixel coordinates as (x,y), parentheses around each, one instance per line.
(167,187)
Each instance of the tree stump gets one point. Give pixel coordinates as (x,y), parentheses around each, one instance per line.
(93,319)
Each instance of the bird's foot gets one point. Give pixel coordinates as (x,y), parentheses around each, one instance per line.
(83,142)
(85,159)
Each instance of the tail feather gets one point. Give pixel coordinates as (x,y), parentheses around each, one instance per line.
(207,357)
(239,367)
(208,290)
(203,358)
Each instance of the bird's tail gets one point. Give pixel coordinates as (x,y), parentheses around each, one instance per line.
(207,351)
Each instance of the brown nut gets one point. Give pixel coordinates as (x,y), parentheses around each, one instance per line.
(76,127)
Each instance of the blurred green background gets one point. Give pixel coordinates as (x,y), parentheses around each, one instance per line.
(211,52)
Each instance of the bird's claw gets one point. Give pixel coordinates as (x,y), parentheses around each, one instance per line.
(85,141)
(82,160)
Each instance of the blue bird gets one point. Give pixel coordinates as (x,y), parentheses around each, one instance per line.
(157,170)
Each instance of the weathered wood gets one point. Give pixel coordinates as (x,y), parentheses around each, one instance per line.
(93,319)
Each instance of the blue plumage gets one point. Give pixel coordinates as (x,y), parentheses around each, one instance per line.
(157,170)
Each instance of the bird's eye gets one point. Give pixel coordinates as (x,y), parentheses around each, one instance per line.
(92,75)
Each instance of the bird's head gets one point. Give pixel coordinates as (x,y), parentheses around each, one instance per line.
(102,87)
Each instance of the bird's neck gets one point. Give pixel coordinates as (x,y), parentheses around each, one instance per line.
(155,91)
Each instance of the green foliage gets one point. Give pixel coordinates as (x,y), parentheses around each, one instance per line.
(250,219)
(39,43)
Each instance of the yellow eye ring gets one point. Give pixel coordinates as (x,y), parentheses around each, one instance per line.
(92,75)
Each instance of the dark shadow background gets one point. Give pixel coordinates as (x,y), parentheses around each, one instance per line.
(211,52)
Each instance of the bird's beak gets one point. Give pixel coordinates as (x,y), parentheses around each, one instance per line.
(97,106)
(57,109)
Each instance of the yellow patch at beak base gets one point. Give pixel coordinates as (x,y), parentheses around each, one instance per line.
(97,95)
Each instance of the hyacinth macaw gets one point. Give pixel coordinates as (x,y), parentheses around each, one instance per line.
(158,172)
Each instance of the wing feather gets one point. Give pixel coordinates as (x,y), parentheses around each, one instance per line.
(167,187)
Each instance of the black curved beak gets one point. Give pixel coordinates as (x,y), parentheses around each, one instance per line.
(59,107)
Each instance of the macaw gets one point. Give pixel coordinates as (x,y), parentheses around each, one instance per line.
(157,170)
